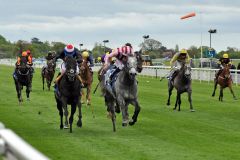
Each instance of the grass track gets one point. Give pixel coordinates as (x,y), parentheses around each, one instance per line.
(212,132)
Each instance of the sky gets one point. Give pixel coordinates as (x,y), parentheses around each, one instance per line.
(120,21)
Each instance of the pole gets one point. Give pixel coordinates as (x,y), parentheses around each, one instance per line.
(201,38)
(210,40)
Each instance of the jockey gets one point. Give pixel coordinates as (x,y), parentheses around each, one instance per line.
(121,55)
(88,57)
(224,60)
(71,51)
(177,62)
(50,55)
(28,58)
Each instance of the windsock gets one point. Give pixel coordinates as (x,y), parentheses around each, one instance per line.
(189,15)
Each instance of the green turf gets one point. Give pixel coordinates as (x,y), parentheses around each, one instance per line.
(212,132)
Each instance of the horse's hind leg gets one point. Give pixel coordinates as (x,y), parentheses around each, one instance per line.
(136,112)
(170,88)
(215,87)
(111,111)
(190,101)
(73,110)
(231,90)
(82,94)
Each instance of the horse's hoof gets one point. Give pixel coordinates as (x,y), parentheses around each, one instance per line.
(235,98)
(213,95)
(131,122)
(61,127)
(192,110)
(124,124)
(82,102)
(28,99)
(79,123)
(66,127)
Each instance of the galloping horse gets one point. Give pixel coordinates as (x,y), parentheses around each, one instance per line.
(183,83)
(68,93)
(48,73)
(87,79)
(125,89)
(22,78)
(224,80)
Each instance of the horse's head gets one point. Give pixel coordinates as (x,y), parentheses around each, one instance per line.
(226,71)
(83,66)
(139,61)
(51,65)
(186,70)
(130,67)
(23,68)
(71,65)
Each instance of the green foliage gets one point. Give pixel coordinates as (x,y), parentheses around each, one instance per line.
(211,133)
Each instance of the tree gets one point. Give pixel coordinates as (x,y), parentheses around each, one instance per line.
(176,48)
(151,45)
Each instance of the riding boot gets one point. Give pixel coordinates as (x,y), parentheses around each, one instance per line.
(58,78)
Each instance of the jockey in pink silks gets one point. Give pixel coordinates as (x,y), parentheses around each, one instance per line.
(121,55)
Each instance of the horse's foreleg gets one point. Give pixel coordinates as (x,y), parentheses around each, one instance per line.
(136,112)
(28,92)
(88,96)
(43,80)
(170,88)
(60,109)
(73,110)
(179,101)
(64,106)
(221,94)
(231,90)
(176,103)
(125,115)
(82,94)
(215,87)
(79,123)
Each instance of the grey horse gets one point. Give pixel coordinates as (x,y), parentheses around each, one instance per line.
(125,89)
(183,83)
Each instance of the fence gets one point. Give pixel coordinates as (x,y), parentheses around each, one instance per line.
(201,74)
(12,147)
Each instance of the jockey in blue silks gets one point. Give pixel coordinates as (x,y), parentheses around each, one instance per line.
(71,51)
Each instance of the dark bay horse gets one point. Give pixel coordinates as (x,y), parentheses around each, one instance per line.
(183,83)
(125,89)
(224,80)
(68,92)
(48,73)
(87,79)
(22,77)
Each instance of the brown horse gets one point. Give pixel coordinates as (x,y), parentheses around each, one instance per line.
(87,79)
(224,80)
(48,72)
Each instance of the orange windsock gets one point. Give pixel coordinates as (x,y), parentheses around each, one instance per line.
(189,15)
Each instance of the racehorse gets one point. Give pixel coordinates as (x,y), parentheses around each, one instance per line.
(48,72)
(224,80)
(125,89)
(183,83)
(87,79)
(22,78)
(68,92)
